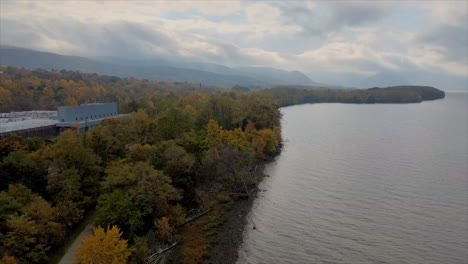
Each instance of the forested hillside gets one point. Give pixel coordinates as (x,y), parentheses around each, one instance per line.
(153,69)
(398,94)
(22,89)
(181,149)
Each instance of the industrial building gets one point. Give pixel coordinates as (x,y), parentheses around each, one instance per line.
(85,115)
(49,123)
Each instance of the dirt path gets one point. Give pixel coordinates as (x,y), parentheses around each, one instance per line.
(69,256)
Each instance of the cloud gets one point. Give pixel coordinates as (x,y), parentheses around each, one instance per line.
(128,40)
(349,39)
(330,17)
(448,12)
(105,11)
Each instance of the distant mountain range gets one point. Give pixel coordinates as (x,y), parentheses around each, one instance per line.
(195,72)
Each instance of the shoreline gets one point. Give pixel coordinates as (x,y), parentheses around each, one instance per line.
(230,233)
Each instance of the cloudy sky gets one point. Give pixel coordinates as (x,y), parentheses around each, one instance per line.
(338,42)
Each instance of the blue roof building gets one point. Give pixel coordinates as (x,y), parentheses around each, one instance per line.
(86,115)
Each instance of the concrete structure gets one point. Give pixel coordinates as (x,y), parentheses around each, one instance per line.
(37,123)
(84,112)
(85,116)
(12,116)
(15,121)
(40,131)
(16,125)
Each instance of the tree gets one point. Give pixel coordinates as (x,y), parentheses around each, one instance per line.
(145,186)
(178,161)
(103,247)
(64,185)
(103,143)
(172,122)
(179,165)
(69,213)
(29,224)
(164,229)
(138,152)
(74,168)
(232,167)
(10,144)
(18,168)
(117,209)
(8,260)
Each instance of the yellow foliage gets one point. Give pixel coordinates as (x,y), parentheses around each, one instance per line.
(104,247)
(214,133)
(260,141)
(71,101)
(236,138)
(8,260)
(138,152)
(164,229)
(271,139)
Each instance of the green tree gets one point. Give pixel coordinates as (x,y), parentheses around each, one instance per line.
(117,208)
(103,143)
(146,186)
(71,163)
(29,224)
(17,167)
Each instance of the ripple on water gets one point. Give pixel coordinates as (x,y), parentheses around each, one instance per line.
(366,184)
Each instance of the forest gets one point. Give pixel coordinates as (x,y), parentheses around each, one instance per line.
(182,149)
(286,96)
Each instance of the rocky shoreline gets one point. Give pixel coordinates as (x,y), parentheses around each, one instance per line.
(230,233)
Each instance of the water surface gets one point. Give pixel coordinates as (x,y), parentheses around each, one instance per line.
(384,183)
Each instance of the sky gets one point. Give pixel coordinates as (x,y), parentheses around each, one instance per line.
(349,43)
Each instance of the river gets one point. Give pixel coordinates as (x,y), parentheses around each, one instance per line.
(382,183)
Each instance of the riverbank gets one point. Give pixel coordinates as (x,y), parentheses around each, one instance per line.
(230,233)
(216,237)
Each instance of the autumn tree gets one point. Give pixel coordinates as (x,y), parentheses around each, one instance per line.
(69,156)
(103,247)
(103,143)
(164,229)
(116,208)
(180,165)
(133,193)
(29,225)
(138,152)
(17,167)
(10,144)
(8,260)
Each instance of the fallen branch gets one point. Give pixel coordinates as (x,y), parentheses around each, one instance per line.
(188,220)
(154,257)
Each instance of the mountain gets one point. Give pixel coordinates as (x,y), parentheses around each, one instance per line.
(195,72)
(385,79)
(267,75)
(278,76)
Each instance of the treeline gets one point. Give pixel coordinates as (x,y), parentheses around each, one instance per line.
(399,94)
(25,90)
(22,89)
(180,150)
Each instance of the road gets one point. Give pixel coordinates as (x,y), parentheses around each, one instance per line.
(69,256)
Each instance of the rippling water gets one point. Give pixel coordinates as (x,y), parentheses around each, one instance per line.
(366,184)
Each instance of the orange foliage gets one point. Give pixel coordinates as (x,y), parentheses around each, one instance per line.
(104,247)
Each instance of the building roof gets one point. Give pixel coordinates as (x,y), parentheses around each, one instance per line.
(26,124)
